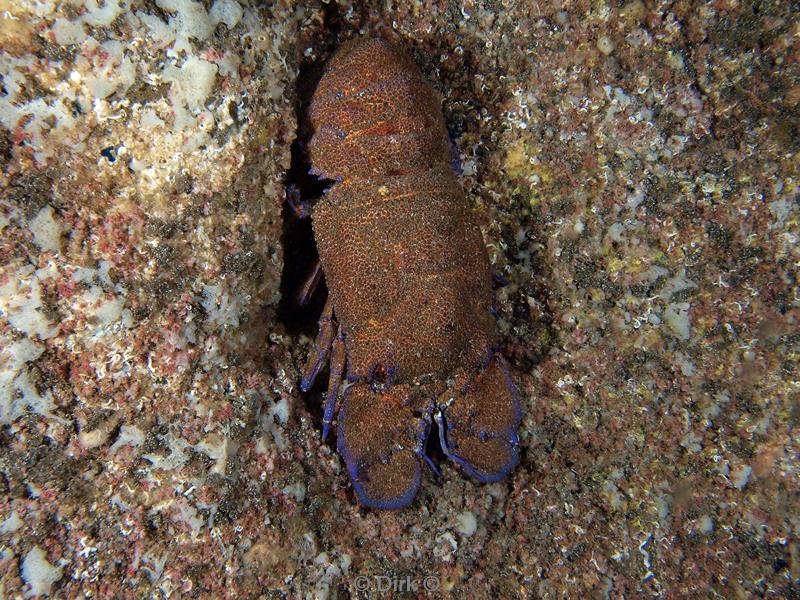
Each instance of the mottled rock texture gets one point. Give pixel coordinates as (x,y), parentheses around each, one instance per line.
(634,168)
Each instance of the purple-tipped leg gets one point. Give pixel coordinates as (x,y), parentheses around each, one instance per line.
(321,348)
(301,208)
(310,286)
(338,358)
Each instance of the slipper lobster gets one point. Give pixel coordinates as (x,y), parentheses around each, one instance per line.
(408,321)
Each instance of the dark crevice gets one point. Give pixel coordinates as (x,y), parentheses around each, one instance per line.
(299,250)
(433,450)
(302,190)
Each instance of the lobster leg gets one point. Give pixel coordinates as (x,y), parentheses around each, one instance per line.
(321,348)
(301,208)
(338,357)
(311,284)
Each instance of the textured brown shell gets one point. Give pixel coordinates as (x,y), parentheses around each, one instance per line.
(409,284)
(403,257)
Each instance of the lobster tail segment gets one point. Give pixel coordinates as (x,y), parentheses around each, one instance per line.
(382,438)
(478,423)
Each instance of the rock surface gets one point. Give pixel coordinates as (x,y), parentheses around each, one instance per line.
(635,169)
